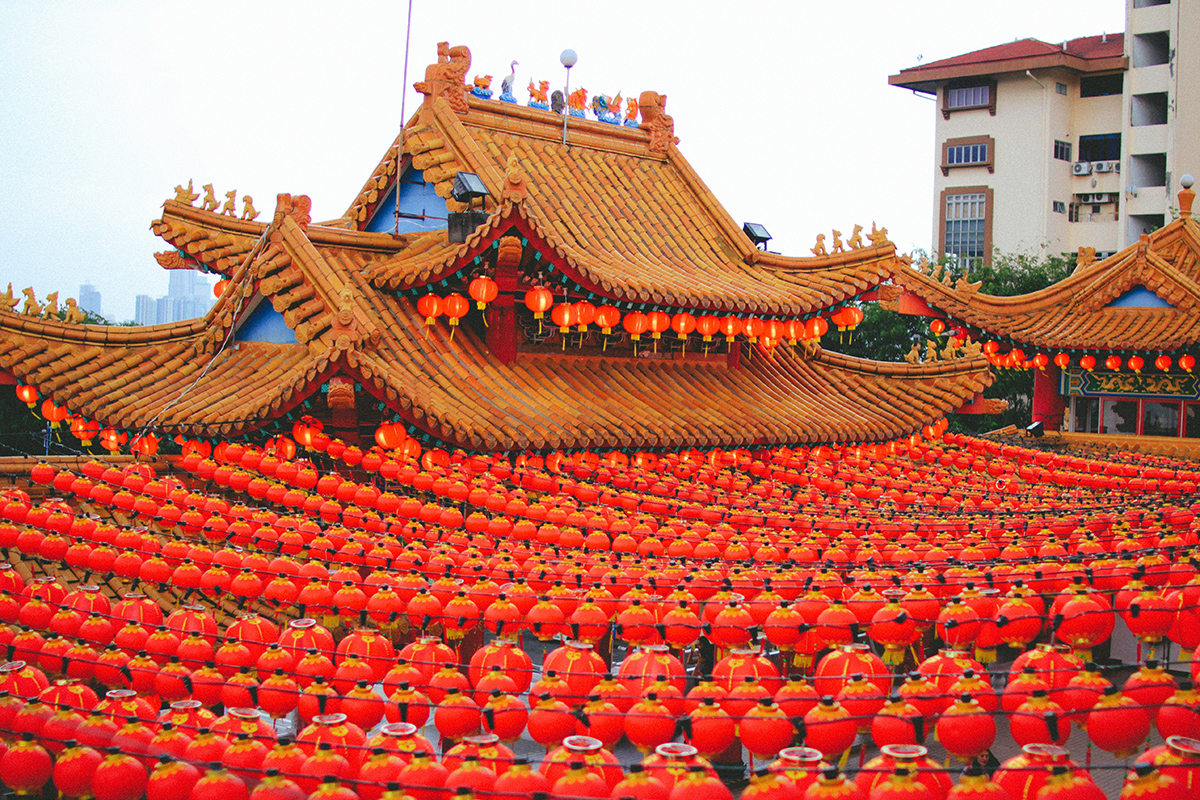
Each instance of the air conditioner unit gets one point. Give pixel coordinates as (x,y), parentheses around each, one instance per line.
(1104,166)
(1086,199)
(1081,168)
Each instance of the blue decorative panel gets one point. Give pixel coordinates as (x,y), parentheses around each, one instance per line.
(265,324)
(1139,297)
(420,207)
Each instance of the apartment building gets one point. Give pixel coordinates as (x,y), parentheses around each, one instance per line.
(1056,146)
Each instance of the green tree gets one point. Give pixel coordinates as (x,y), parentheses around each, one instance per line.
(888,336)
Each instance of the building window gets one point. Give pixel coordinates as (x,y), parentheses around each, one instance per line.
(967,154)
(1059,207)
(1062,150)
(962,98)
(1148,109)
(1101,147)
(1101,85)
(969,151)
(968,97)
(1191,421)
(1160,418)
(1086,418)
(1060,87)
(1151,49)
(965,217)
(1119,416)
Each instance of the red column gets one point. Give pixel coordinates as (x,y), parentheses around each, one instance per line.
(1048,404)
(502,329)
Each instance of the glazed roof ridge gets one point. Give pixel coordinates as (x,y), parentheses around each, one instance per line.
(1076,312)
(643,226)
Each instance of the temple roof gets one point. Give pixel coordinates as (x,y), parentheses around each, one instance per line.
(197,378)
(619,215)
(1090,309)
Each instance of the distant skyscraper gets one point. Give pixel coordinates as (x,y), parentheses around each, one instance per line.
(145,310)
(89,299)
(188,296)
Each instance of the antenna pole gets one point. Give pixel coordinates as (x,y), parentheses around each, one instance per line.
(403,118)
(566,105)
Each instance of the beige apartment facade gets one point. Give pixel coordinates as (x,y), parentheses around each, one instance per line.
(1046,148)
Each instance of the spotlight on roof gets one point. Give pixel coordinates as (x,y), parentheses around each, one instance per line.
(757,233)
(466,188)
(1037,430)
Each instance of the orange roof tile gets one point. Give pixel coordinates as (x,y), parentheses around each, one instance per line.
(637,225)
(1075,313)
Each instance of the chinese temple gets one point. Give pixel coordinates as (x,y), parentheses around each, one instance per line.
(1111,345)
(621,305)
(785,592)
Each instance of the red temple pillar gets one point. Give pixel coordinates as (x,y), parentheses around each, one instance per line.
(1048,405)
(502,329)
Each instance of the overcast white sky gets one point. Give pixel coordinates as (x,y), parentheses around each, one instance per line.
(782,107)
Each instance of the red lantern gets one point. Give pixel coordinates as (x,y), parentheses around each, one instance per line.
(1112,363)
(607,318)
(937,326)
(635,324)
(483,290)
(455,307)
(766,729)
(538,300)
(1117,724)
(430,307)
(1187,362)
(1062,360)
(1163,362)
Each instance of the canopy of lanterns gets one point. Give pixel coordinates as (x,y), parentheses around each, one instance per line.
(414,614)
(582,315)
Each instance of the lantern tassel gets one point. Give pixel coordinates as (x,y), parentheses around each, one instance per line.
(484,315)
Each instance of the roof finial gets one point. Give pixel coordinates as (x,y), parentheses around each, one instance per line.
(1186,196)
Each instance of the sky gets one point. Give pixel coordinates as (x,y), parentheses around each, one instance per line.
(783,108)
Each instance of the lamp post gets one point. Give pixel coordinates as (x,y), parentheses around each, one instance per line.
(568,59)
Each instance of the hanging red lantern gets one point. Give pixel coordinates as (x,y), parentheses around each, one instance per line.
(430,307)
(1088,362)
(538,300)
(564,315)
(1186,363)
(683,324)
(1112,363)
(938,327)
(658,322)
(26,766)
(1117,724)
(708,325)
(1041,360)
(1163,362)
(27,395)
(1136,363)
(607,318)
(483,290)
(829,728)
(766,729)
(455,307)
(1062,360)
(635,324)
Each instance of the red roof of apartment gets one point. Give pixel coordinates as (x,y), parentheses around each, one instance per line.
(1102,53)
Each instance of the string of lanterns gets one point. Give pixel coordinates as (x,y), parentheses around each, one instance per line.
(1016,357)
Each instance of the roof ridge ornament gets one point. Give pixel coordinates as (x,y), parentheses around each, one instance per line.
(655,119)
(516,184)
(445,78)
